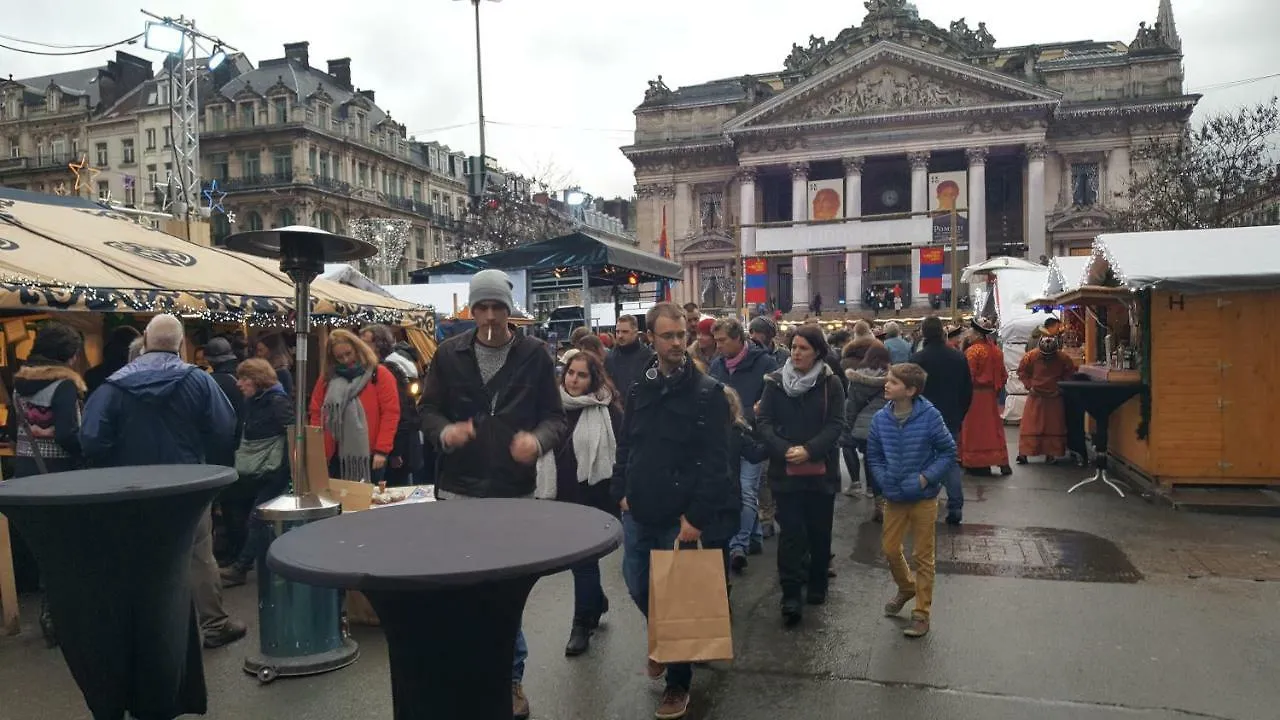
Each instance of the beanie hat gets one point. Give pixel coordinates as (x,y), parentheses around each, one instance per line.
(705,325)
(492,285)
(762,325)
(218,350)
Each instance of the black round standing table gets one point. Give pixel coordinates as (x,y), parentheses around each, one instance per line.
(1100,399)
(114,548)
(449,581)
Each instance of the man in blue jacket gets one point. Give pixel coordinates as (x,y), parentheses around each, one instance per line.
(911,452)
(159,410)
(742,365)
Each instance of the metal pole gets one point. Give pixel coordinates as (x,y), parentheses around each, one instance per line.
(480,95)
(301,299)
(955,270)
(586,296)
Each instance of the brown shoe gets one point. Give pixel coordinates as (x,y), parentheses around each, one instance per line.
(225,635)
(674,705)
(919,627)
(899,601)
(655,669)
(519,703)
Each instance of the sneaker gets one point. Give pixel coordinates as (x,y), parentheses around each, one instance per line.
(755,548)
(655,669)
(233,576)
(674,705)
(899,601)
(953,518)
(792,611)
(519,703)
(227,634)
(919,627)
(737,560)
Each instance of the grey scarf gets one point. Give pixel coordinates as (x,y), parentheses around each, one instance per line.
(343,418)
(796,384)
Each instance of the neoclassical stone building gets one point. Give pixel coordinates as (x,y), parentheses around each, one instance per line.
(829,168)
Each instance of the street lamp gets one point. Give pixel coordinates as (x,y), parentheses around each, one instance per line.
(483,164)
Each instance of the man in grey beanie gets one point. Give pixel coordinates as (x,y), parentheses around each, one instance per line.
(491,407)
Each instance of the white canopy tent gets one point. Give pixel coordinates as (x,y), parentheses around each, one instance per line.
(1190,260)
(347,275)
(1066,273)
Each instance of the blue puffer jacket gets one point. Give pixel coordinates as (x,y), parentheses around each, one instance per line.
(898,454)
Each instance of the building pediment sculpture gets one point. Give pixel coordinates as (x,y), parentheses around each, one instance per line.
(887,90)
(800,57)
(978,40)
(1150,38)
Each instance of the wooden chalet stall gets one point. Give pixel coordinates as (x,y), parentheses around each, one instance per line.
(1195,316)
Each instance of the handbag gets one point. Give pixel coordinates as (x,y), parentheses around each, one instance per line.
(259,457)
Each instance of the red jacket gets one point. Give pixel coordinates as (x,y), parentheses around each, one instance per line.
(381,402)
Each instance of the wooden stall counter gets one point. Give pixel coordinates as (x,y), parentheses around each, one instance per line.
(1102,373)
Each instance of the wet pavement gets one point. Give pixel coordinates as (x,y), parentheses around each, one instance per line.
(1084,606)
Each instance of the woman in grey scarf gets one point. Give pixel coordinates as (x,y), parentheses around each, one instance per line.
(356,402)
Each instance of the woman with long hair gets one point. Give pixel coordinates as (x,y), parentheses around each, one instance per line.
(48,397)
(261,458)
(800,420)
(356,402)
(273,349)
(866,397)
(580,469)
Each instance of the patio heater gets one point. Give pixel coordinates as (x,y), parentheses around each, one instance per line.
(301,628)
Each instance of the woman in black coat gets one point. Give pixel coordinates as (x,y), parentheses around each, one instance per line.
(581,467)
(268,415)
(800,420)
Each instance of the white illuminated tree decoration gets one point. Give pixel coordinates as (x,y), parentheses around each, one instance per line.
(390,236)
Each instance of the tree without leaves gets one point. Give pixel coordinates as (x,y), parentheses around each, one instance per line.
(1200,178)
(507,218)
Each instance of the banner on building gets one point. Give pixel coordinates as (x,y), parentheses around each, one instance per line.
(826,199)
(948,191)
(931,266)
(755,271)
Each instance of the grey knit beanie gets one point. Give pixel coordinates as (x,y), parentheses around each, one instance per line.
(493,285)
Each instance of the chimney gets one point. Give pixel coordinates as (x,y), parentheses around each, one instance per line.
(297,52)
(368,95)
(340,70)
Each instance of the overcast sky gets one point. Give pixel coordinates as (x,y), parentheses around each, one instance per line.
(562,77)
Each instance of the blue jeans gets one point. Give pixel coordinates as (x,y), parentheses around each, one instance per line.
(588,593)
(955,490)
(637,541)
(750,528)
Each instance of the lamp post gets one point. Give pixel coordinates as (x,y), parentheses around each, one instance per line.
(300,626)
(478,185)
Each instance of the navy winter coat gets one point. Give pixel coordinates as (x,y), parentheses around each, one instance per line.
(748,378)
(898,454)
(157,410)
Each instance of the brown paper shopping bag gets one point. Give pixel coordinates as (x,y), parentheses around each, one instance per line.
(688,606)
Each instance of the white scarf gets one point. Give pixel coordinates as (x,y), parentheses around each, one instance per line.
(594,445)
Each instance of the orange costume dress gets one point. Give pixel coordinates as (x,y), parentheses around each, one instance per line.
(1044,419)
(982,442)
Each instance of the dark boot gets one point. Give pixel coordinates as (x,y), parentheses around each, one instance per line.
(1021,459)
(579,640)
(792,609)
(46,625)
(1006,470)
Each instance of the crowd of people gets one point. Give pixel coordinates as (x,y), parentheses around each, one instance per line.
(696,430)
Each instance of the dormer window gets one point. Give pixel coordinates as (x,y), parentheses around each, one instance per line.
(11,107)
(53,100)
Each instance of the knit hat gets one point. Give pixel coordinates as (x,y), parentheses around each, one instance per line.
(762,324)
(705,325)
(491,285)
(218,350)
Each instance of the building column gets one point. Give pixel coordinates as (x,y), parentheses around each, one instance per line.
(853,209)
(800,212)
(977,204)
(1036,247)
(747,211)
(919,203)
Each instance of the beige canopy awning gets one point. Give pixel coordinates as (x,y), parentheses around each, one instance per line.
(69,254)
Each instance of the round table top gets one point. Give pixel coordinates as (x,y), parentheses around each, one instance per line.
(444,544)
(108,485)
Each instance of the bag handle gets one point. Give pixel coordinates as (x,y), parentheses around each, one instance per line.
(677,544)
(20,409)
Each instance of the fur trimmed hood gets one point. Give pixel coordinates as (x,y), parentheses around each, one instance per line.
(49,373)
(866,376)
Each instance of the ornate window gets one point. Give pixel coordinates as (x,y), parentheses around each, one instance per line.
(255,221)
(1084,184)
(284,218)
(718,289)
(220,228)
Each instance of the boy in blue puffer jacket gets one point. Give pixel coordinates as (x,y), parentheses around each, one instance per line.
(910,451)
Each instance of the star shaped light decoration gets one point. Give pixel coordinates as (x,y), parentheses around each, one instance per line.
(84,172)
(215,197)
(231,218)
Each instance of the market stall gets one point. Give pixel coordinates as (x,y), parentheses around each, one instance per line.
(1193,316)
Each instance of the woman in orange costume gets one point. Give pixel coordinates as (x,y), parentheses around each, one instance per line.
(1044,420)
(982,442)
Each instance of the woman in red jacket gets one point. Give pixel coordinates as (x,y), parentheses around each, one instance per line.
(356,402)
